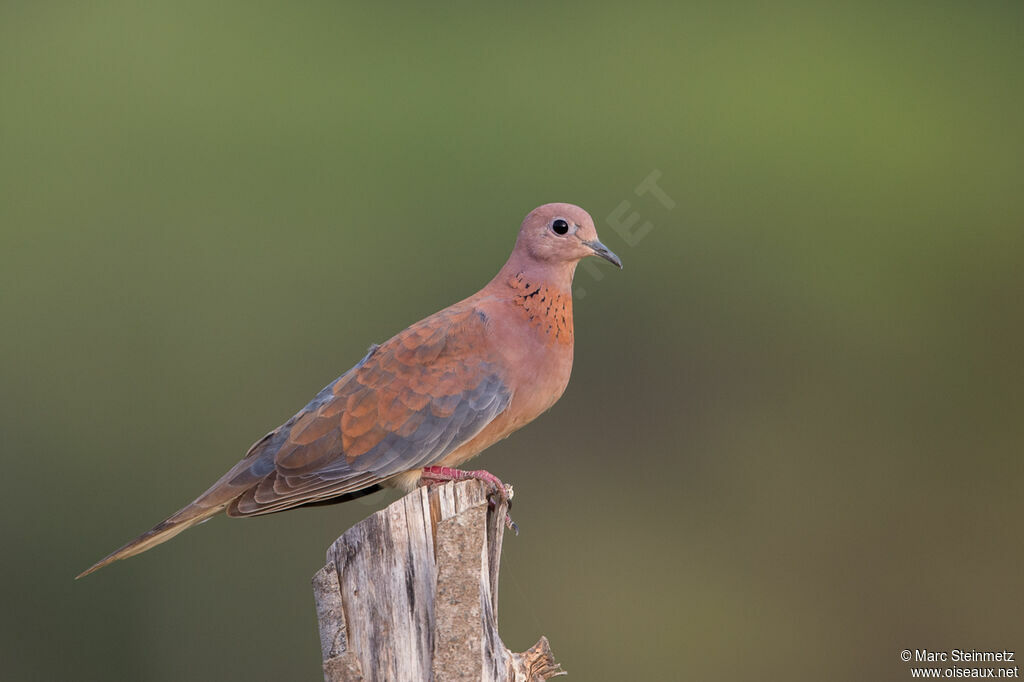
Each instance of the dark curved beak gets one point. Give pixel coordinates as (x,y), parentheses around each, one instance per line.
(603,251)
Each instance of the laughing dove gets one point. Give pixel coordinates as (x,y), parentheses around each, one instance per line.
(427,399)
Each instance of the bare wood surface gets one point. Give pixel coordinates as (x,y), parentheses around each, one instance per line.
(411,593)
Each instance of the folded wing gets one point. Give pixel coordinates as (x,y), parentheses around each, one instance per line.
(406,405)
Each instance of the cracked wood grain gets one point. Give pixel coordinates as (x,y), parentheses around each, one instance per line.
(411,593)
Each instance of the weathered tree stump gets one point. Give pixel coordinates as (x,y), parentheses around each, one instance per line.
(411,593)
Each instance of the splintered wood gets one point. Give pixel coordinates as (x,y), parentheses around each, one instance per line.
(411,593)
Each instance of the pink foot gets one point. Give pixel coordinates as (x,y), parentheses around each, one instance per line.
(435,475)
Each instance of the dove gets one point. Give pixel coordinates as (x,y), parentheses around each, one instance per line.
(426,400)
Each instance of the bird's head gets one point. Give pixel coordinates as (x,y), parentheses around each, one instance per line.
(561,235)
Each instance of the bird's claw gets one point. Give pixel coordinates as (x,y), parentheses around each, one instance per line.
(504,492)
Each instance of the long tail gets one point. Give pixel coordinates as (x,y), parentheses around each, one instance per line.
(162,532)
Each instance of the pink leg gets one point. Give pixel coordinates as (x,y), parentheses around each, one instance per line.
(435,475)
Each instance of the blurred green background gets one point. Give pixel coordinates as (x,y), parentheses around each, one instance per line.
(792,443)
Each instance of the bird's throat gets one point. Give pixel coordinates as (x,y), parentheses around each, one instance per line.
(547,308)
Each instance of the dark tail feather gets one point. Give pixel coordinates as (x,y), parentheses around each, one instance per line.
(162,532)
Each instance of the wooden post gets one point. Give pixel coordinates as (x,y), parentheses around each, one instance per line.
(411,593)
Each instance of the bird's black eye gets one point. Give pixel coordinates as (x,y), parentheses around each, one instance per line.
(559,226)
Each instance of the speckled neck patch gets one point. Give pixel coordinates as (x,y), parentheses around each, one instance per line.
(548,310)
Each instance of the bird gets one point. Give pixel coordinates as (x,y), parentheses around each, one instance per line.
(426,400)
